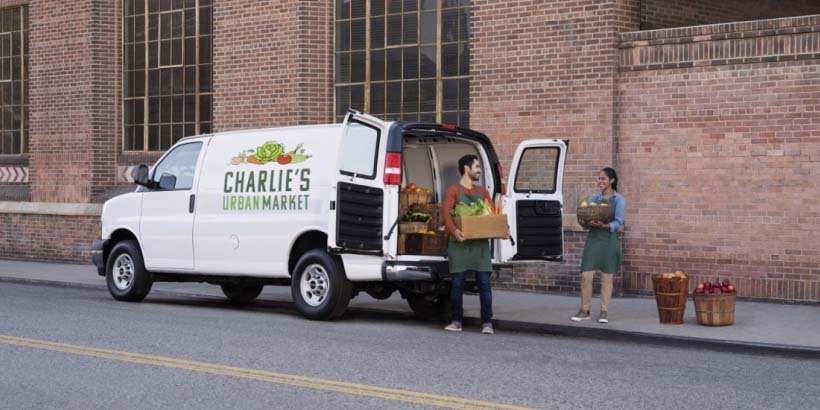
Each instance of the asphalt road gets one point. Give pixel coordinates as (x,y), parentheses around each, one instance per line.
(64,348)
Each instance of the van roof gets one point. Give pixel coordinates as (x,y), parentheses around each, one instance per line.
(239,133)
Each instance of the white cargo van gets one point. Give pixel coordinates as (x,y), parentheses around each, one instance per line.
(316,208)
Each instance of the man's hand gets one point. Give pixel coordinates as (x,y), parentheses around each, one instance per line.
(459,236)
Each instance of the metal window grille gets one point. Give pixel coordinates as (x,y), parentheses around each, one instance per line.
(167,72)
(403,59)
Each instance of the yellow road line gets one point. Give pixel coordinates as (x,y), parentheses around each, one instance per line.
(265,376)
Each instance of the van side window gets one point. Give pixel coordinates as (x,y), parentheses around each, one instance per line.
(178,167)
(359,149)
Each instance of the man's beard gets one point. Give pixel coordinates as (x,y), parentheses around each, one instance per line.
(475,177)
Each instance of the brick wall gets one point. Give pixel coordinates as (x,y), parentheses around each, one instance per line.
(657,14)
(73,91)
(272,63)
(549,70)
(47,237)
(719,140)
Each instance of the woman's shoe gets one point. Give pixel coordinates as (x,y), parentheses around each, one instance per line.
(602,318)
(581,315)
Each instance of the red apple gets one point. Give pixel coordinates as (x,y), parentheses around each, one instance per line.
(731,288)
(717,291)
(700,286)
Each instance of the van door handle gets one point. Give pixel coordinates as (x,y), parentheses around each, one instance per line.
(191,202)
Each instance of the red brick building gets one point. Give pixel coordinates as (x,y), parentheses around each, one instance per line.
(710,111)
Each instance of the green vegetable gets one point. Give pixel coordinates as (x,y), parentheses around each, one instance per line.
(269,152)
(416,217)
(479,208)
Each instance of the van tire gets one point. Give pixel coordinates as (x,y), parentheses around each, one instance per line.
(319,287)
(241,294)
(125,273)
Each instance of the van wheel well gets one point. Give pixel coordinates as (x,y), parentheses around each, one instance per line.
(117,237)
(307,241)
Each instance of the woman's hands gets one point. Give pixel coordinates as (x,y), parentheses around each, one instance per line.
(598,224)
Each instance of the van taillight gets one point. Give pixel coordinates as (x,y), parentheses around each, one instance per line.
(501,178)
(450,127)
(392,169)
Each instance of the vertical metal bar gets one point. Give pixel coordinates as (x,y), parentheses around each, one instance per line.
(438,61)
(197,128)
(22,81)
(366,57)
(145,91)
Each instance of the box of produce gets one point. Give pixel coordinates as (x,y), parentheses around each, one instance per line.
(415,222)
(414,194)
(429,244)
(480,220)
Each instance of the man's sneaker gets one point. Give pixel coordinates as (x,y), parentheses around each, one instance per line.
(453,327)
(602,318)
(581,315)
(487,328)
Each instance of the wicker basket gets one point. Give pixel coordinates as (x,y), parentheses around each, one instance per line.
(413,227)
(411,198)
(671,295)
(715,310)
(594,213)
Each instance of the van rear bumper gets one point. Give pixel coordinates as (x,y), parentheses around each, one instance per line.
(404,271)
(98,256)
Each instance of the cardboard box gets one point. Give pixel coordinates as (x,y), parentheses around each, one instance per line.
(482,227)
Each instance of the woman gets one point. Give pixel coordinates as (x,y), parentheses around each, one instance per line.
(602,250)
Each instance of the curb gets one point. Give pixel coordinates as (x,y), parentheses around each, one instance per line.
(721,345)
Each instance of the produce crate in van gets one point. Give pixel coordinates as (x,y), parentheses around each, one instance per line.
(482,227)
(426,244)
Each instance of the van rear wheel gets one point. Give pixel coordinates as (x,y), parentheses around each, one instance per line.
(319,286)
(125,273)
(430,307)
(241,294)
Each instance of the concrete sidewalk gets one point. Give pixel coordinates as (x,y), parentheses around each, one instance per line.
(759,327)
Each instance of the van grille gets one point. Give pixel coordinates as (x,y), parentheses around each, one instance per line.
(359,216)
(539,229)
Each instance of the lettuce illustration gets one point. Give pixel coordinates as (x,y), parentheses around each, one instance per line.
(269,152)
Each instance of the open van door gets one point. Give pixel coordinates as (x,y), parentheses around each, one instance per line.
(356,225)
(534,202)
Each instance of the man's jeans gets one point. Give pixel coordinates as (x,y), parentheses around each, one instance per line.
(486,295)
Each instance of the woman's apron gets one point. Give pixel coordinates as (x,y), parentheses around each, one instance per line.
(471,254)
(602,251)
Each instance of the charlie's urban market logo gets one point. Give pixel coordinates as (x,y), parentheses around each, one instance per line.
(281,188)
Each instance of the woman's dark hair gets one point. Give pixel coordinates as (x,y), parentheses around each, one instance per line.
(612,175)
(466,161)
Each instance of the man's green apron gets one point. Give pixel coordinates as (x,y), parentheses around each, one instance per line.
(471,254)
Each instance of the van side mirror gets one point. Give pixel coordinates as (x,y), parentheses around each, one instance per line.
(167,182)
(140,175)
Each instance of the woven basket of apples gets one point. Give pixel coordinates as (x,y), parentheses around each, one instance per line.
(671,293)
(600,211)
(715,303)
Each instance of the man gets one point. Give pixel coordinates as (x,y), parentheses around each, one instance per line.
(468,256)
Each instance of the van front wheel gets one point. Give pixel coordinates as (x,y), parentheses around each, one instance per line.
(319,287)
(125,274)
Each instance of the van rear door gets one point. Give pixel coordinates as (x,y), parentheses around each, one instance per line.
(357,218)
(535,201)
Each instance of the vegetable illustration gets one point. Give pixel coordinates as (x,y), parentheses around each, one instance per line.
(271,151)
